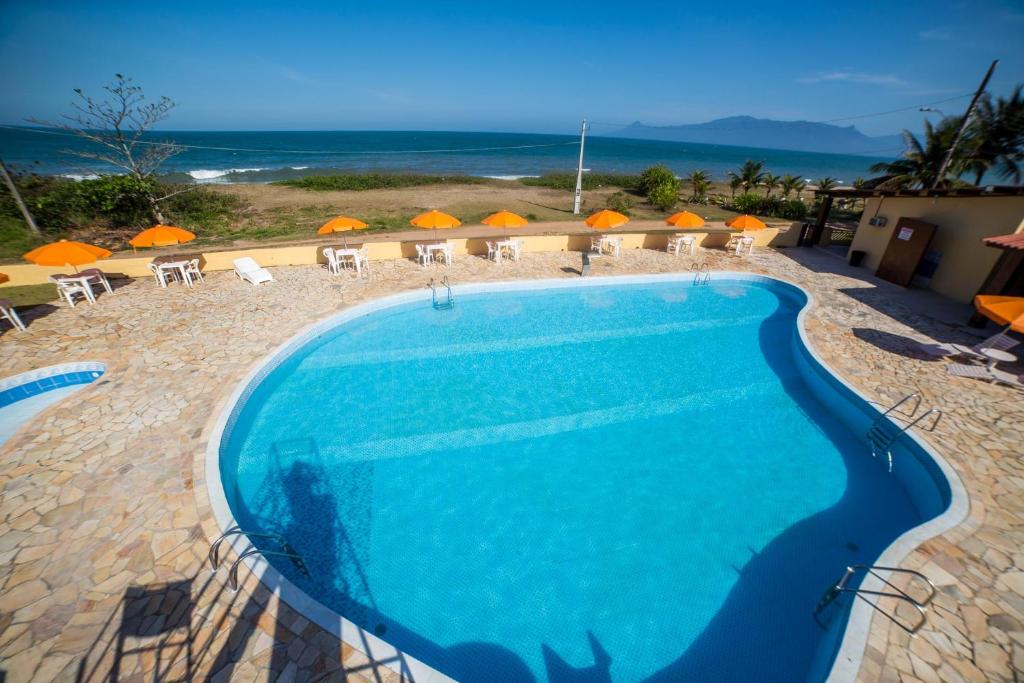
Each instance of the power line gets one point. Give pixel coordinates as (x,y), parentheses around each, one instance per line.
(44,131)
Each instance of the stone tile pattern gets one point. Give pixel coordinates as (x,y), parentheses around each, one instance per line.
(105,521)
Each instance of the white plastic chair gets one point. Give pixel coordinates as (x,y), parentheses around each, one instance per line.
(68,290)
(362,260)
(161,275)
(7,311)
(613,245)
(97,277)
(192,270)
(250,271)
(514,249)
(985,373)
(423,256)
(493,252)
(333,266)
(678,243)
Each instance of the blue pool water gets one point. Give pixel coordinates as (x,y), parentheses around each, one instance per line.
(583,484)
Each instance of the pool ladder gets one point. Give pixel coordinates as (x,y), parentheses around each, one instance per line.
(701,273)
(884,431)
(888,590)
(285,551)
(448,301)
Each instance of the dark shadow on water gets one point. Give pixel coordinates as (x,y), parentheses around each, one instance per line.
(560,671)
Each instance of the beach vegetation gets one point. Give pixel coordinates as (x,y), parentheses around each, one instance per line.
(790,184)
(619,201)
(770,181)
(660,185)
(754,204)
(115,128)
(750,174)
(591,181)
(375,181)
(734,184)
(700,185)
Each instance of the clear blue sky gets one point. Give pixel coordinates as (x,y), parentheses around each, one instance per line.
(533,66)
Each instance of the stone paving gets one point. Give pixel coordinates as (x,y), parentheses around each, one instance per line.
(105,521)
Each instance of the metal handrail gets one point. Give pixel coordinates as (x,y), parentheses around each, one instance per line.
(900,402)
(286,552)
(840,587)
(235,531)
(699,269)
(433,294)
(934,411)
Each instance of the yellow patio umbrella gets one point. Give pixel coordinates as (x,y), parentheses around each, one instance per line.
(685,219)
(606,219)
(4,278)
(745,222)
(66,253)
(505,219)
(341,224)
(161,235)
(435,219)
(1005,310)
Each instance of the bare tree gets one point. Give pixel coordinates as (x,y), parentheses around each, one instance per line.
(116,126)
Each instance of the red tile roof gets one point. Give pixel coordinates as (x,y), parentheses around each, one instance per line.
(1015,241)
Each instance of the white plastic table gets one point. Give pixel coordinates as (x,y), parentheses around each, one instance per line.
(180,266)
(444,248)
(997,356)
(512,247)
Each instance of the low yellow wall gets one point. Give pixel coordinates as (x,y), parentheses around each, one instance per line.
(137,265)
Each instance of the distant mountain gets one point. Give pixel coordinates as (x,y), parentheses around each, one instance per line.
(747,131)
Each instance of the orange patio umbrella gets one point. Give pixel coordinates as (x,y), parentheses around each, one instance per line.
(66,253)
(505,219)
(1005,310)
(4,278)
(685,219)
(161,235)
(606,219)
(434,219)
(745,222)
(341,224)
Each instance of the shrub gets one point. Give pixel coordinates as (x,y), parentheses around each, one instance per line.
(619,201)
(665,195)
(591,181)
(655,176)
(793,209)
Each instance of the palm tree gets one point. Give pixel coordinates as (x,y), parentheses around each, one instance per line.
(920,163)
(791,183)
(700,182)
(997,137)
(826,183)
(734,183)
(770,181)
(750,174)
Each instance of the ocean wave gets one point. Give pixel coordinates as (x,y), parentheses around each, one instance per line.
(206,174)
(510,177)
(298,168)
(80,176)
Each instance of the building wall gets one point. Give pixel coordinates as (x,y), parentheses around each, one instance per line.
(137,265)
(962,223)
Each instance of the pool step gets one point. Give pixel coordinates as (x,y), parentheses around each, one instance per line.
(881,587)
(884,431)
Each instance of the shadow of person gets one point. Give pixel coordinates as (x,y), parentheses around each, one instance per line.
(894,343)
(560,671)
(151,616)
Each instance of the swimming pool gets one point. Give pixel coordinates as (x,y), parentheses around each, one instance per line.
(634,479)
(24,396)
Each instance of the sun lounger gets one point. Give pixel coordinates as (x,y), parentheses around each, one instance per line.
(986,373)
(7,311)
(250,271)
(999,342)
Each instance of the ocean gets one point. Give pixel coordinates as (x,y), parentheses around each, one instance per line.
(265,156)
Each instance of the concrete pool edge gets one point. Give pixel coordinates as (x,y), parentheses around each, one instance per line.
(847,658)
(38,376)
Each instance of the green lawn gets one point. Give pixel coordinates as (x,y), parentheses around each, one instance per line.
(29,295)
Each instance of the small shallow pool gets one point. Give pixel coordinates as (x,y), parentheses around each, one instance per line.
(649,481)
(24,396)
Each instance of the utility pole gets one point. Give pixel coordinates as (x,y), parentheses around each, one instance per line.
(9,181)
(963,126)
(579,171)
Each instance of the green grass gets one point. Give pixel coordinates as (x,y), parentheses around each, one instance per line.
(591,181)
(376,181)
(29,295)
(16,238)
